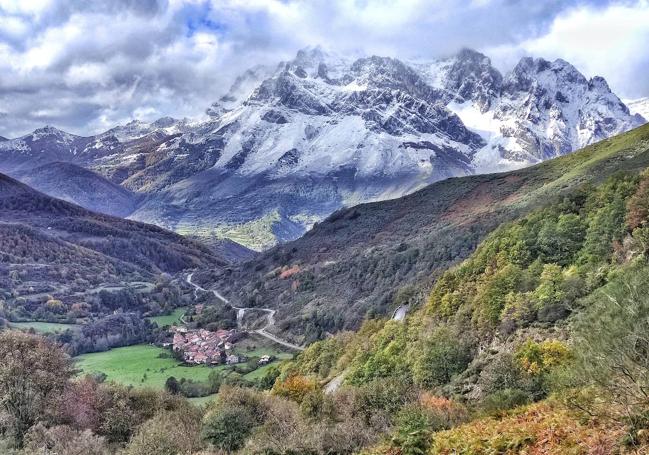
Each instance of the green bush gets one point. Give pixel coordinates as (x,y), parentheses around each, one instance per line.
(504,400)
(441,356)
(228,429)
(611,339)
(414,430)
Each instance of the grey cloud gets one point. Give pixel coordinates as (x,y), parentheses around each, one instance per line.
(133,54)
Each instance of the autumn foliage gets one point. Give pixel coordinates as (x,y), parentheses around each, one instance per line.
(295,387)
(541,429)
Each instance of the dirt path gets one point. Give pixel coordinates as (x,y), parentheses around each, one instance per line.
(270,318)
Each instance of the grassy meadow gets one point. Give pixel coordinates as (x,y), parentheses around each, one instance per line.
(140,366)
(255,345)
(169,319)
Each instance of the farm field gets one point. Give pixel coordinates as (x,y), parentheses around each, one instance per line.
(259,372)
(44,327)
(140,366)
(256,346)
(169,319)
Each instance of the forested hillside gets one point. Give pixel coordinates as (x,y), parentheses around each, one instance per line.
(551,306)
(535,343)
(59,260)
(368,259)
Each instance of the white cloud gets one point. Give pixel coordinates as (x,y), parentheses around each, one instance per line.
(24,7)
(612,42)
(84,66)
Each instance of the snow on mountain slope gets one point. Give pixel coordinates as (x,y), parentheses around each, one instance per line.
(42,146)
(319,133)
(290,144)
(639,107)
(137,128)
(538,111)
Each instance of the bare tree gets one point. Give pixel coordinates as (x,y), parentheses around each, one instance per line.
(32,373)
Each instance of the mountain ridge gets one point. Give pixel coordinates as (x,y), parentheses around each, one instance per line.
(51,245)
(363,259)
(81,186)
(293,143)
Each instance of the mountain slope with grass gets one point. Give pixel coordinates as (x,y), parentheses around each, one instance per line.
(81,186)
(50,245)
(551,308)
(369,259)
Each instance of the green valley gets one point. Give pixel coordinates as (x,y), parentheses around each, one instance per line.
(525,300)
(140,366)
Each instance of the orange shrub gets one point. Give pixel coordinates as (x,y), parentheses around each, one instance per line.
(446,411)
(294,387)
(540,429)
(289,272)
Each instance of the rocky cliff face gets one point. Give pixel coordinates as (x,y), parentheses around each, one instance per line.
(290,144)
(539,110)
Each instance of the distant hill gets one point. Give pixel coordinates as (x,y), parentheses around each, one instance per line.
(228,249)
(362,260)
(48,243)
(81,186)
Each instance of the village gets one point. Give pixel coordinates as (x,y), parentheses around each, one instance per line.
(203,347)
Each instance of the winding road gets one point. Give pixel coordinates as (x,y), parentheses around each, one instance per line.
(270,318)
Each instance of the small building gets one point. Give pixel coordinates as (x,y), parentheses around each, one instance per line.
(232,359)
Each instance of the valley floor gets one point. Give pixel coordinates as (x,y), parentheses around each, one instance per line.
(146,365)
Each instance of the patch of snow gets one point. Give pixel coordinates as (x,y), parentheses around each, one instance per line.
(482,123)
(639,106)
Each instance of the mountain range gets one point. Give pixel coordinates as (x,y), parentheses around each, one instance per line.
(437,306)
(639,106)
(367,260)
(289,145)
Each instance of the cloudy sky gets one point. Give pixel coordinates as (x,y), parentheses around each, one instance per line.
(85,66)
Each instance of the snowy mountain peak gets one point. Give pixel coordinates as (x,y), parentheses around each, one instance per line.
(49,132)
(471,77)
(310,57)
(531,73)
(317,62)
(165,122)
(290,143)
(598,83)
(241,89)
(136,129)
